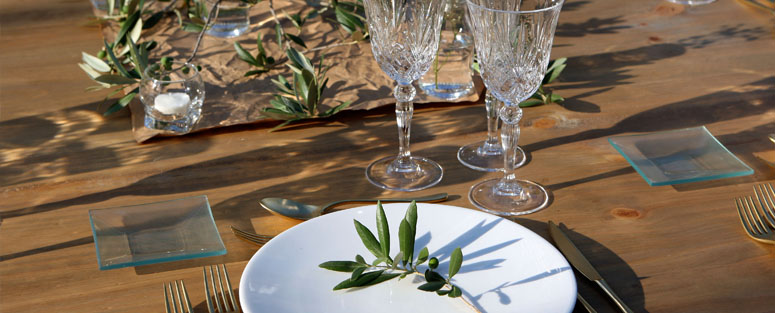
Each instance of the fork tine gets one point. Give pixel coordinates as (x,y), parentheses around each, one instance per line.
(256,241)
(743,217)
(251,234)
(179,297)
(220,288)
(756,217)
(207,291)
(185,297)
(762,215)
(166,299)
(749,217)
(231,292)
(256,238)
(215,291)
(766,202)
(761,211)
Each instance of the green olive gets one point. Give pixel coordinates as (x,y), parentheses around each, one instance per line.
(433,263)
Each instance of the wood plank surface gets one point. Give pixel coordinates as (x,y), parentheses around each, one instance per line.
(633,67)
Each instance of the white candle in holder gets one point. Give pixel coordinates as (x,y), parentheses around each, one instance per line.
(172,103)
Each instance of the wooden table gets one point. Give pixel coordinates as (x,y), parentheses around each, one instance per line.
(634,67)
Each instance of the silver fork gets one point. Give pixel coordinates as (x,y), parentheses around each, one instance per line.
(765,195)
(251,237)
(222,308)
(752,221)
(178,295)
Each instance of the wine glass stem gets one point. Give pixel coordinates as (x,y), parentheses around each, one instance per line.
(510,115)
(404,93)
(492,105)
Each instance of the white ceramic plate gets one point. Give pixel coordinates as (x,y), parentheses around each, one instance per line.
(506,267)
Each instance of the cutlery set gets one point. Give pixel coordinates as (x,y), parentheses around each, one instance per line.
(216,280)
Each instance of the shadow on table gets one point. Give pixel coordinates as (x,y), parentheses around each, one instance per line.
(742,101)
(606,70)
(344,144)
(619,275)
(593,25)
(57,246)
(55,144)
(278,161)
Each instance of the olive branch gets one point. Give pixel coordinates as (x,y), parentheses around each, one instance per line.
(385,268)
(300,98)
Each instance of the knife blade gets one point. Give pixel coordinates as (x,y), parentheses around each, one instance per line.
(577,259)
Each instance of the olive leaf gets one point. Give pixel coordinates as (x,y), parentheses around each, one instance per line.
(405,240)
(432,276)
(455,292)
(432,286)
(115,79)
(95,62)
(411,219)
(368,239)
(383,230)
(455,261)
(342,266)
(126,25)
(261,60)
(423,256)
(357,272)
(554,69)
(360,282)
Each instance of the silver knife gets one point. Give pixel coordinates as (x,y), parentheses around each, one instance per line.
(581,264)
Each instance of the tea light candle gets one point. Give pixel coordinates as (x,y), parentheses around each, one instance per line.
(172,103)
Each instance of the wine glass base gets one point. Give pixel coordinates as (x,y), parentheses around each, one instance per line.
(473,157)
(489,198)
(422,174)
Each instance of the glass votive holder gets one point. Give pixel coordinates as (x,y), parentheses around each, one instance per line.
(450,75)
(232,19)
(172,97)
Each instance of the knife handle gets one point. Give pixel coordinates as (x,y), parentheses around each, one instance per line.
(613,296)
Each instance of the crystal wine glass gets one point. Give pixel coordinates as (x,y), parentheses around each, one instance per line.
(513,41)
(404,40)
(487,155)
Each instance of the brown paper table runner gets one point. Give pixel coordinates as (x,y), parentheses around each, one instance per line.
(232,99)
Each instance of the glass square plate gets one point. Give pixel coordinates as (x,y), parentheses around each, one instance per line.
(679,156)
(155,232)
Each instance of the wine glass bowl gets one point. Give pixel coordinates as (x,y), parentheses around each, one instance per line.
(404,40)
(513,40)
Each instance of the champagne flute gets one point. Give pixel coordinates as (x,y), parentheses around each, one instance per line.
(513,41)
(404,40)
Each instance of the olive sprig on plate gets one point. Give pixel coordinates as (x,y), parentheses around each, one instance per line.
(404,263)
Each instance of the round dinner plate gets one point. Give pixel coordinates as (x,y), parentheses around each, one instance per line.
(506,267)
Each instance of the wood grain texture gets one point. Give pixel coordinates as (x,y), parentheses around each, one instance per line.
(633,67)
